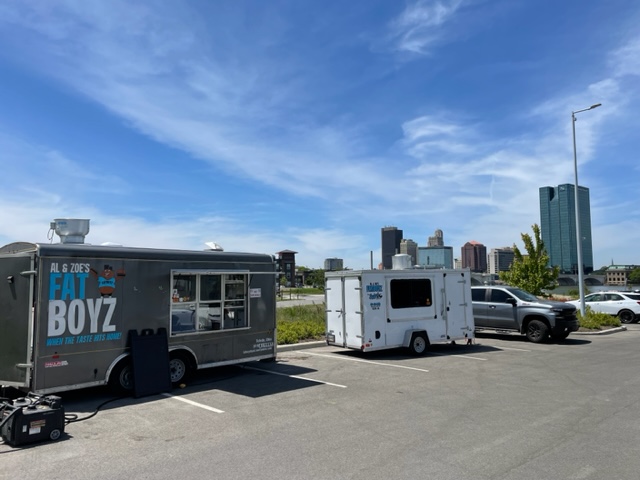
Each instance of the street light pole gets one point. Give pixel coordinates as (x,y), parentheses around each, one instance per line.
(577,209)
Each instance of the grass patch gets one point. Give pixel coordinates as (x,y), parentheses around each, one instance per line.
(300,323)
(597,321)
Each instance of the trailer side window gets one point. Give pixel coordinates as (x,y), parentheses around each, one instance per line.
(410,293)
(203,302)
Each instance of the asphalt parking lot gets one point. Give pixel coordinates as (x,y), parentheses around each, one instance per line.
(503,408)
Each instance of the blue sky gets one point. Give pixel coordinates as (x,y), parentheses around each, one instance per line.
(306,125)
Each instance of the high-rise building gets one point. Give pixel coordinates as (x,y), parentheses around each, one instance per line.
(500,259)
(474,256)
(391,237)
(409,247)
(439,257)
(558,227)
(437,240)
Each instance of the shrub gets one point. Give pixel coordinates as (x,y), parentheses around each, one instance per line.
(299,323)
(595,321)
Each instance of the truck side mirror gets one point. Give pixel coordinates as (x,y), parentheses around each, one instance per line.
(511,301)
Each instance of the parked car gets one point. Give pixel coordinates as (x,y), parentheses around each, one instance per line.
(510,309)
(624,305)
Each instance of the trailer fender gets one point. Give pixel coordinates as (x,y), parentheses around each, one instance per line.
(417,341)
(119,375)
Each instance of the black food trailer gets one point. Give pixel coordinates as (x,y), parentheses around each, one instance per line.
(69,312)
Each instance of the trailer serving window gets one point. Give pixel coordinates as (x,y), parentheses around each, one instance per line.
(205,301)
(410,292)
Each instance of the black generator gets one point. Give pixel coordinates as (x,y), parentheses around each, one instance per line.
(31,419)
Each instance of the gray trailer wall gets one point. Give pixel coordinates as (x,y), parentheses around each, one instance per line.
(90,297)
(15,313)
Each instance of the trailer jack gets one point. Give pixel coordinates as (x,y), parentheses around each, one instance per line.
(31,419)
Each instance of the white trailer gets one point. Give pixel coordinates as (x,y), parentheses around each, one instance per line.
(378,309)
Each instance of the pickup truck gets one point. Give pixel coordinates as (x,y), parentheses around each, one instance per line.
(510,309)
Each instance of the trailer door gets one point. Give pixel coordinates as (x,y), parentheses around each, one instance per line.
(353,326)
(456,300)
(335,311)
(16,319)
(344,311)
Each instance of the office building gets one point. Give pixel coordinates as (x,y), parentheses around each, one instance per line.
(500,259)
(474,257)
(437,257)
(409,247)
(558,227)
(391,238)
(437,240)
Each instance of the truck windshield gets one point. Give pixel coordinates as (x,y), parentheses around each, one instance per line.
(522,295)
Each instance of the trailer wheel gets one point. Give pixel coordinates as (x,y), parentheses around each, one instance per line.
(180,368)
(419,343)
(121,378)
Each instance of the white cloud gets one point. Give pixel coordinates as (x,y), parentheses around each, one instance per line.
(626,59)
(418,27)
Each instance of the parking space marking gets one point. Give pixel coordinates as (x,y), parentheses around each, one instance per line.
(191,402)
(307,352)
(457,356)
(510,348)
(295,376)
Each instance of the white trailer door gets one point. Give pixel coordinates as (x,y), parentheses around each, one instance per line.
(344,311)
(455,304)
(335,311)
(353,312)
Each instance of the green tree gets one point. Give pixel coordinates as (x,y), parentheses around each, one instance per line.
(531,272)
(634,276)
(316,277)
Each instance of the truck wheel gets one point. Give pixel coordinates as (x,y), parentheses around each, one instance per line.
(626,316)
(179,368)
(121,378)
(419,343)
(537,331)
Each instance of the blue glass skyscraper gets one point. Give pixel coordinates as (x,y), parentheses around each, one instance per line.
(558,227)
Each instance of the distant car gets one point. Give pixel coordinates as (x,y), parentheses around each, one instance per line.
(624,305)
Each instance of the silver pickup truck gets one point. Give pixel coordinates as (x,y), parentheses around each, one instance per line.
(509,309)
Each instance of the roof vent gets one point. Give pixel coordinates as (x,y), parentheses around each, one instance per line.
(71,230)
(401,261)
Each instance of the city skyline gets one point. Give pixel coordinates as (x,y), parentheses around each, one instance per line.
(265,126)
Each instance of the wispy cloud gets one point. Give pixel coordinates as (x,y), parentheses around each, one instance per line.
(626,59)
(253,111)
(420,25)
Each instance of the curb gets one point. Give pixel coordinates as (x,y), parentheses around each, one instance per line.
(301,346)
(602,332)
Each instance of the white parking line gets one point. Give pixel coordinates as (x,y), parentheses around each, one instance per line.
(457,356)
(295,376)
(191,402)
(307,352)
(509,348)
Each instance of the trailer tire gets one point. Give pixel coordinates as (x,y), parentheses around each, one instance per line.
(180,368)
(121,378)
(419,343)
